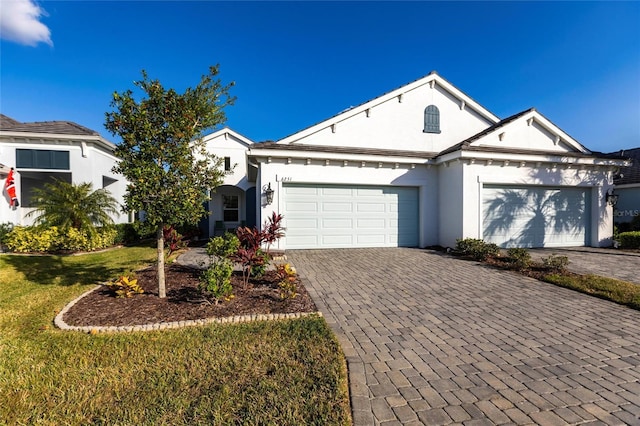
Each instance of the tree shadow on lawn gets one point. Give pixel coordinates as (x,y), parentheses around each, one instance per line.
(67,270)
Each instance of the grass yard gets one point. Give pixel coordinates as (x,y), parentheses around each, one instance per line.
(282,373)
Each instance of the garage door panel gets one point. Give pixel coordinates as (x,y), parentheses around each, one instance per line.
(337,240)
(337,223)
(350,216)
(337,192)
(337,207)
(367,207)
(534,216)
(311,207)
(303,223)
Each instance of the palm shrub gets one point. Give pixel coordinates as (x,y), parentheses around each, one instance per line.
(67,205)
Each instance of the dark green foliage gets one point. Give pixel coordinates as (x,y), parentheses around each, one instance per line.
(162,153)
(556,263)
(476,249)
(629,240)
(519,257)
(5,228)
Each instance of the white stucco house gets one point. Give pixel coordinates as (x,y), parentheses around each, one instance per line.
(63,150)
(421,165)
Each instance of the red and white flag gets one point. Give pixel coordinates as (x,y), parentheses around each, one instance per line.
(10,187)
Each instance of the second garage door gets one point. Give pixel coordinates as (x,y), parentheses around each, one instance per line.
(527,216)
(333,216)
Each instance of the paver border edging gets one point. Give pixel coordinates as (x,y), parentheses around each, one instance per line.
(59,321)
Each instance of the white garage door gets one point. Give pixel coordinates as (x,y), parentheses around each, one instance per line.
(331,216)
(529,216)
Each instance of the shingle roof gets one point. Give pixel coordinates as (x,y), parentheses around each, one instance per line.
(629,174)
(54,127)
(344,150)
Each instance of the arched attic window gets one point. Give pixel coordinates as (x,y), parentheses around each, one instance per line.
(431,119)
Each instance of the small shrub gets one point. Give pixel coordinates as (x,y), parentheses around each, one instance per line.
(476,249)
(127,233)
(288,279)
(125,286)
(172,240)
(215,281)
(555,263)
(519,257)
(223,247)
(629,240)
(260,267)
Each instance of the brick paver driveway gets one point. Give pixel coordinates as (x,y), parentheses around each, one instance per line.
(431,339)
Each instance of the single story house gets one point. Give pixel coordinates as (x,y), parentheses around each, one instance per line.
(421,165)
(41,151)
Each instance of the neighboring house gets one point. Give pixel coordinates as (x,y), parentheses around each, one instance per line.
(42,151)
(627,186)
(424,165)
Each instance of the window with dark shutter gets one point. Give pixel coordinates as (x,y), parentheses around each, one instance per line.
(431,119)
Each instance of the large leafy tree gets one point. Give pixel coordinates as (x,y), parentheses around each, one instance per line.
(162,153)
(66,205)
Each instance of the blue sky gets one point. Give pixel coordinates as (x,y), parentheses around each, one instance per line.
(297,63)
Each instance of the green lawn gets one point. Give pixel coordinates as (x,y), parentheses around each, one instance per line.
(282,372)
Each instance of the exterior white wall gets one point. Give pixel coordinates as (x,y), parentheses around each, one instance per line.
(521,135)
(279,172)
(480,173)
(396,124)
(223,144)
(86,164)
(450,204)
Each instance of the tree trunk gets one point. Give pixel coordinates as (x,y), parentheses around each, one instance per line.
(162,290)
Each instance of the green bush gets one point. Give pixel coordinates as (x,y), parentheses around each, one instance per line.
(519,257)
(629,240)
(476,249)
(260,267)
(5,228)
(215,281)
(555,262)
(223,247)
(27,239)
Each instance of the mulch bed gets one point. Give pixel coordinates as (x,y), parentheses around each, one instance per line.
(184,301)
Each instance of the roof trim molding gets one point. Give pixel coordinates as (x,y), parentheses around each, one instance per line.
(97,139)
(226,132)
(432,79)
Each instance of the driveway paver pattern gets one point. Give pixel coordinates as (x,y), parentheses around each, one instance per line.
(431,339)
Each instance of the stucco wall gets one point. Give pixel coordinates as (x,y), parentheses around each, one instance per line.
(396,124)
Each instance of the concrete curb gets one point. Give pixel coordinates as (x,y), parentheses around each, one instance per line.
(61,324)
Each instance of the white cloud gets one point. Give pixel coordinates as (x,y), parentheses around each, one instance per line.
(19,22)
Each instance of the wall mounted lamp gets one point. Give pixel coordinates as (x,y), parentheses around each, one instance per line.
(612,198)
(268,193)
